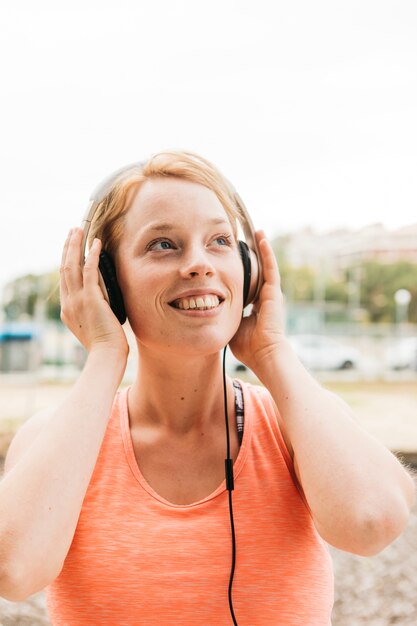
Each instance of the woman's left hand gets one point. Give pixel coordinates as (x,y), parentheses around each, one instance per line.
(261,333)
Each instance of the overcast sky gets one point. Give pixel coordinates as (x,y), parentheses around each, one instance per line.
(308,107)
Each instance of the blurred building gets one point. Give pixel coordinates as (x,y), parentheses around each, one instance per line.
(338,249)
(376,243)
(19,347)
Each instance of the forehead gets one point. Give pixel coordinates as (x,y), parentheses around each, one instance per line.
(175,199)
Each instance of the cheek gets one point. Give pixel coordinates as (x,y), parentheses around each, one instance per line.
(236,305)
(238,280)
(136,291)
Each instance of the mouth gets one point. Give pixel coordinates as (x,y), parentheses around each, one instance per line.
(197,303)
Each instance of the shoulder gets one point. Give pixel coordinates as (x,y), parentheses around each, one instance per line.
(25,436)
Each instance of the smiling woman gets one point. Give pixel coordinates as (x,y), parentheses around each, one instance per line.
(117,500)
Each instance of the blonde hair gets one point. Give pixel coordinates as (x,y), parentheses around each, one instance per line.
(107,223)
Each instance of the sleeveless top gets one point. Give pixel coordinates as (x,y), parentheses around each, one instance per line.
(138,559)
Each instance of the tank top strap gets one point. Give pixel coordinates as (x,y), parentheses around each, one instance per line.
(239,410)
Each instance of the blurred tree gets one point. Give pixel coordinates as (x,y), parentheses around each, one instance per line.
(369,286)
(298,283)
(336,290)
(26,295)
(380,281)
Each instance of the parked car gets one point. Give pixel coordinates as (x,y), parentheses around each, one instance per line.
(318,352)
(402,354)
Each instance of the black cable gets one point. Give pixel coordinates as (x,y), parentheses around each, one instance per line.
(229,486)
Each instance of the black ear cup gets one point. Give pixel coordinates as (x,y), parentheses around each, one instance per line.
(108,273)
(247,270)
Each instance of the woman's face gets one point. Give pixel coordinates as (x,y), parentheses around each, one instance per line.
(179,268)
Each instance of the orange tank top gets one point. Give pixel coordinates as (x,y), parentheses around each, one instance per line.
(137,559)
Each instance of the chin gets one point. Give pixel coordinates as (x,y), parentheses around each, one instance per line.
(186,346)
(195,349)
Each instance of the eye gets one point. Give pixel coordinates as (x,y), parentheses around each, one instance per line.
(160,244)
(223,240)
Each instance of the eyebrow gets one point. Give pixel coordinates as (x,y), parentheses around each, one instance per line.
(166,226)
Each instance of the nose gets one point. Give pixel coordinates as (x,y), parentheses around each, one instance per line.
(196,263)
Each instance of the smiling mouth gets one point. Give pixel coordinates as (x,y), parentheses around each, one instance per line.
(197,303)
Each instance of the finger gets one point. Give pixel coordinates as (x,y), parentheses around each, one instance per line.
(63,290)
(90,270)
(71,268)
(65,248)
(269,262)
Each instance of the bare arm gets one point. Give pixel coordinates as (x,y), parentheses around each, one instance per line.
(42,492)
(358,492)
(50,462)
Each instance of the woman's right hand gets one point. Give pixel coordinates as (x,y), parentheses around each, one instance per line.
(84,310)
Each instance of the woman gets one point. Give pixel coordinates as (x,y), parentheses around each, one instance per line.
(116,500)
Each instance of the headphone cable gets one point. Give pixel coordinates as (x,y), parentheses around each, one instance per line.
(229,486)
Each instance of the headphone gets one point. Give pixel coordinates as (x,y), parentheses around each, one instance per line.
(249,251)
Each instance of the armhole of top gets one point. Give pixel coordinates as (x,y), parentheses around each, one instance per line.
(271,410)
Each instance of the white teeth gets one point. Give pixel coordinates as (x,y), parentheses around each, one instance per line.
(199,302)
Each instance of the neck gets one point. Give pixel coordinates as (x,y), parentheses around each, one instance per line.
(181,394)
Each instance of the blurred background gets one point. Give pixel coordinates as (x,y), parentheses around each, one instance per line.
(310,110)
